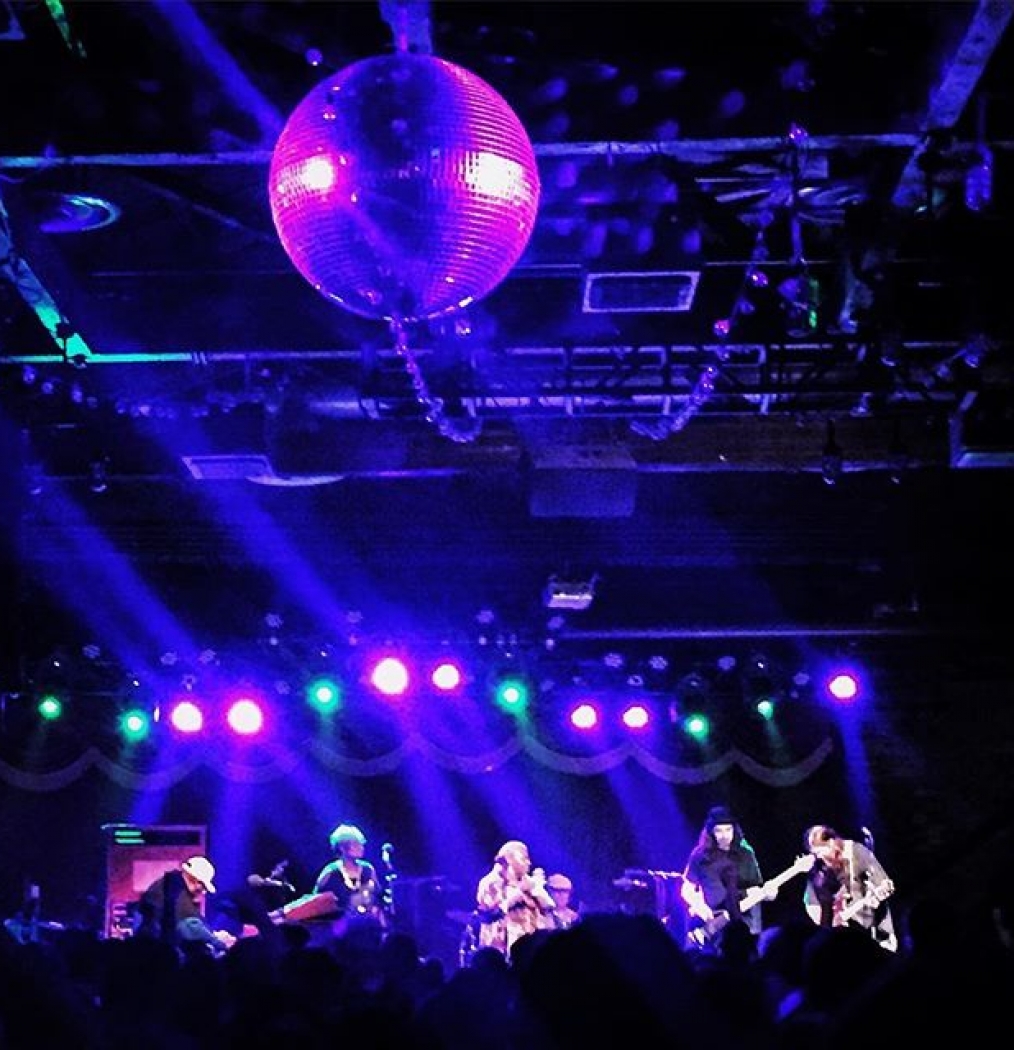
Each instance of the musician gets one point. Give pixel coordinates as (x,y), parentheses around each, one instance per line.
(847,884)
(721,867)
(26,926)
(171,909)
(512,899)
(561,889)
(352,879)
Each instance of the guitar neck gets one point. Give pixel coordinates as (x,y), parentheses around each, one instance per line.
(871,899)
(756,894)
(850,911)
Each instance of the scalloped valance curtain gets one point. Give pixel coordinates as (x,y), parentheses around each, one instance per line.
(283,759)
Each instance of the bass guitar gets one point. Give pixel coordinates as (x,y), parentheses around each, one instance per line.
(708,928)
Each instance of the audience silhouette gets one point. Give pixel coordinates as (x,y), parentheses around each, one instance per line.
(612,977)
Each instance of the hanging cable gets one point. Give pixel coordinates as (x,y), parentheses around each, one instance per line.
(434,410)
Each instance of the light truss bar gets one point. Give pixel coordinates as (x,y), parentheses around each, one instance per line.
(698,151)
(559,354)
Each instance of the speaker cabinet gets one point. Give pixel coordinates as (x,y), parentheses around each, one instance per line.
(583,481)
(135,857)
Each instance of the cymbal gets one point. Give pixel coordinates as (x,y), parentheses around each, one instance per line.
(627,883)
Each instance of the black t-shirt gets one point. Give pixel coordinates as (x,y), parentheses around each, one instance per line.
(724,876)
(361,895)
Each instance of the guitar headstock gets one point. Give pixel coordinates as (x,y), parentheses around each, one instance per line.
(804,863)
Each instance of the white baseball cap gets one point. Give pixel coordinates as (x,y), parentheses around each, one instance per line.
(203,870)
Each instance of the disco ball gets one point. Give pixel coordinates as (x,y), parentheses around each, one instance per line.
(404,187)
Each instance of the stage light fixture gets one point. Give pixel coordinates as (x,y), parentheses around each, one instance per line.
(584,716)
(843,686)
(390,677)
(447,676)
(801,297)
(512,695)
(979,180)
(98,476)
(636,716)
(135,724)
(575,595)
(245,717)
(35,478)
(186,717)
(50,707)
(324,694)
(697,726)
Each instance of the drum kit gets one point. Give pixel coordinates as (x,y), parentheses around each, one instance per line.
(653,892)
(641,891)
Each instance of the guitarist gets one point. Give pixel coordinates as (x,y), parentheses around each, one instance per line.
(847,885)
(720,870)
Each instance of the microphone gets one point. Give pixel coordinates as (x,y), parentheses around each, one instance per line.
(258,882)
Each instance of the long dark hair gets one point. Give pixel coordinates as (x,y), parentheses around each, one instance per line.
(706,839)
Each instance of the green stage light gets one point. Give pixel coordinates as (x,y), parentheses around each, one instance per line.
(135,724)
(765,708)
(50,708)
(512,695)
(324,694)
(697,726)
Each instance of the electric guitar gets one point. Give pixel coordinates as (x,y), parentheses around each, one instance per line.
(708,928)
(872,898)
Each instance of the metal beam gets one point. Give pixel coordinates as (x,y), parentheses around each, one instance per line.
(957,85)
(948,102)
(28,285)
(700,151)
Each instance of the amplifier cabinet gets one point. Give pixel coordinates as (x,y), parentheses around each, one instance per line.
(136,855)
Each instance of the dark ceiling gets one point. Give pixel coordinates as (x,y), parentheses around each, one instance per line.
(152,329)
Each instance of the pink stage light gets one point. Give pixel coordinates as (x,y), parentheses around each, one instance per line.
(584,716)
(446,676)
(843,686)
(245,717)
(186,717)
(390,677)
(636,716)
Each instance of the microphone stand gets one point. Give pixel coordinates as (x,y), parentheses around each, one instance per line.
(390,877)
